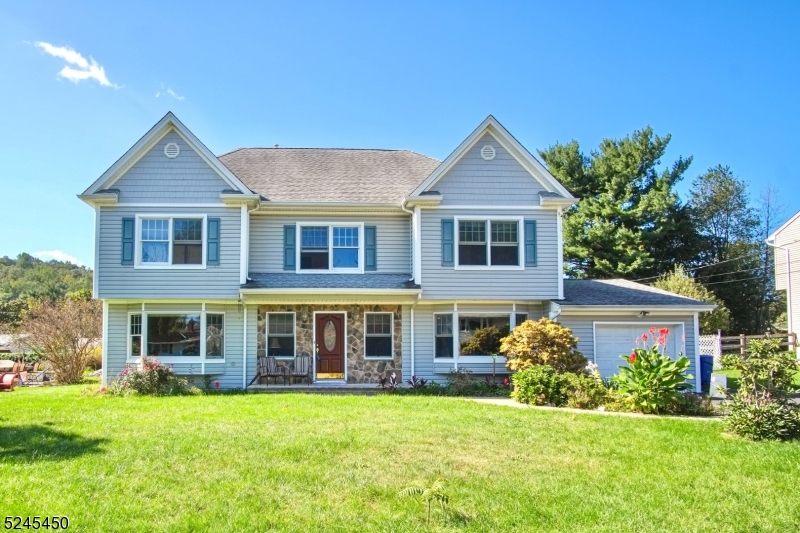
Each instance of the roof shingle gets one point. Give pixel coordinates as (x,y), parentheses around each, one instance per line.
(292,280)
(610,292)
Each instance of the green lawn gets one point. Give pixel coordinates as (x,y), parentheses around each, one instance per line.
(336,463)
(734,378)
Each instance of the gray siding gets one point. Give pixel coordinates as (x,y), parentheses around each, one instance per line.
(532,283)
(156,179)
(501,181)
(406,340)
(117,281)
(227,372)
(582,327)
(393,233)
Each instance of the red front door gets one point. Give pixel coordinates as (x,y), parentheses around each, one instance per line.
(329,345)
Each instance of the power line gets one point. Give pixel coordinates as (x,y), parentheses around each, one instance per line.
(728,273)
(705,266)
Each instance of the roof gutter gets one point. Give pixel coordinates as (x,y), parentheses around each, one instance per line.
(312,290)
(701,308)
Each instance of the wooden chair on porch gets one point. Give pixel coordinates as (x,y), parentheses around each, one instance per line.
(267,367)
(302,367)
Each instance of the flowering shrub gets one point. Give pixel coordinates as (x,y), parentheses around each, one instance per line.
(652,381)
(540,385)
(152,379)
(586,390)
(761,409)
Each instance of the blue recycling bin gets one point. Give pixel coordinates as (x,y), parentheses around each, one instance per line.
(706,368)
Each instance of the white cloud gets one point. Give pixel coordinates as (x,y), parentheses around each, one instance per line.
(86,69)
(58,255)
(168,92)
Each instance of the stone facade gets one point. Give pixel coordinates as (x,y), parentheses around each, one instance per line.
(359,369)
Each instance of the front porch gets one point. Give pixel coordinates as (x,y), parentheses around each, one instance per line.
(319,387)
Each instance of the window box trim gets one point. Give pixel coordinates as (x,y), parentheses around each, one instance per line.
(294,334)
(330,226)
(488,220)
(137,260)
(188,359)
(391,334)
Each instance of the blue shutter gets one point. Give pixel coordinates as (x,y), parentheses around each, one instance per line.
(289,238)
(530,243)
(128,235)
(370,248)
(447,242)
(212,257)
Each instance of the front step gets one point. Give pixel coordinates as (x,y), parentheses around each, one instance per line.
(338,387)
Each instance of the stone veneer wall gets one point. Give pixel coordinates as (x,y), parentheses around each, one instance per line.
(359,369)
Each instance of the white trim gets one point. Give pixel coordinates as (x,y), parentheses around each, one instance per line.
(560,251)
(416,222)
(391,333)
(698,386)
(168,123)
(178,359)
(176,206)
(314,340)
(488,221)
(104,347)
(311,290)
(172,150)
(244,240)
(294,334)
(137,254)
(450,359)
(783,226)
(491,126)
(95,276)
(244,349)
(330,225)
(572,310)
(514,208)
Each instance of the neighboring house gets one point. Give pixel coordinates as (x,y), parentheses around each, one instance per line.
(375,261)
(786,241)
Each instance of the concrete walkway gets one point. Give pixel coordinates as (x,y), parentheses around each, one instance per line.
(508,402)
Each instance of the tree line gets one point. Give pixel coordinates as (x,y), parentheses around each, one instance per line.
(631,223)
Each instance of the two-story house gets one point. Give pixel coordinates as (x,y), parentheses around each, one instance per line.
(786,243)
(372,261)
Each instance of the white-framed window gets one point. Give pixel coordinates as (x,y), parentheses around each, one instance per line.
(170,241)
(443,329)
(281,335)
(494,242)
(176,337)
(330,247)
(378,335)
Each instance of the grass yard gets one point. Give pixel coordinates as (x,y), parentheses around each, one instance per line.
(336,463)
(734,377)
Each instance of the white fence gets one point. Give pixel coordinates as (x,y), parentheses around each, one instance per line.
(712,345)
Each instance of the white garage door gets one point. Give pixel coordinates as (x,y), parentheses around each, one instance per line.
(613,340)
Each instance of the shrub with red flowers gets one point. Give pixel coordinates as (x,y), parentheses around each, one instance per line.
(150,378)
(652,381)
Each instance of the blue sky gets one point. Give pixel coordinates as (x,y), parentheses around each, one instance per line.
(721,77)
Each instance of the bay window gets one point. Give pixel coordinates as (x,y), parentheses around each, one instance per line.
(176,335)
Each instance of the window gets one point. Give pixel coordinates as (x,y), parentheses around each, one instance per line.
(187,241)
(521,317)
(444,336)
(314,249)
(135,336)
(171,241)
(378,335)
(215,336)
(280,334)
(486,243)
(345,247)
(469,325)
(330,248)
(173,335)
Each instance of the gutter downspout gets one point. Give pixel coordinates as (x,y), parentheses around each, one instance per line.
(789,321)
(413,246)
(413,341)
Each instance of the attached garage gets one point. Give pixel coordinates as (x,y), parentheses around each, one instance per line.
(612,339)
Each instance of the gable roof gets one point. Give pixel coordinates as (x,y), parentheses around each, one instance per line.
(168,123)
(329,174)
(783,226)
(491,126)
(621,292)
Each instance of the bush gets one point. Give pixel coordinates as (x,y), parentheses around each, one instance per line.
(152,379)
(459,380)
(542,343)
(585,390)
(540,385)
(651,380)
(761,409)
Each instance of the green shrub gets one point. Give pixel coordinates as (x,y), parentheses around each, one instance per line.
(696,405)
(542,343)
(761,409)
(540,385)
(459,379)
(651,380)
(152,379)
(585,390)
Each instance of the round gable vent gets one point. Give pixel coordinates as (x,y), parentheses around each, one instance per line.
(487,152)
(172,150)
